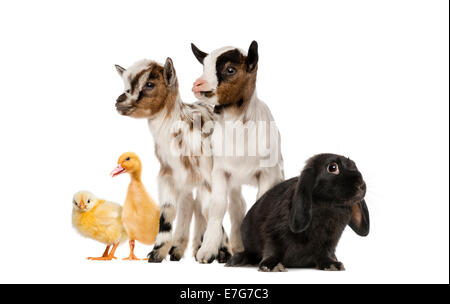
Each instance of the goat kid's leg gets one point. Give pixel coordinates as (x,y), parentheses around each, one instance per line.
(224,254)
(163,241)
(181,236)
(200,221)
(168,210)
(225,248)
(237,210)
(215,212)
(268,180)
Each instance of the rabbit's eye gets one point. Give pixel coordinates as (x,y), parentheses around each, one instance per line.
(333,168)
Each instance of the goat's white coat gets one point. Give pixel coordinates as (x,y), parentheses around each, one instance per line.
(231,172)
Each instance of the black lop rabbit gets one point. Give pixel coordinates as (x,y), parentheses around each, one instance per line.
(299,222)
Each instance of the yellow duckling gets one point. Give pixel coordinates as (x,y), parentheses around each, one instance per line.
(140,214)
(99,220)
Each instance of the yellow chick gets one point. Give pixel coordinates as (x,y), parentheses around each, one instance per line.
(99,220)
(140,214)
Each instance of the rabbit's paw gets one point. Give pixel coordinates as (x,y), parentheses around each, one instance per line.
(278,268)
(332,266)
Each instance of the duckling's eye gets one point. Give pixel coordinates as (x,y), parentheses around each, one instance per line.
(333,168)
(89,201)
(127,159)
(150,85)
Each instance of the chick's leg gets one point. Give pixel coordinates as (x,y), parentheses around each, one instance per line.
(107,256)
(113,251)
(132,257)
(106,253)
(103,257)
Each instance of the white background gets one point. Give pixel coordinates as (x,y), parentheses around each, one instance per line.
(367,79)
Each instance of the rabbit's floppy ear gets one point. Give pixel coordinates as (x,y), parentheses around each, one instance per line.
(360,222)
(301,205)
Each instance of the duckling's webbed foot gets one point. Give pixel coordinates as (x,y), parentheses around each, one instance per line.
(131,257)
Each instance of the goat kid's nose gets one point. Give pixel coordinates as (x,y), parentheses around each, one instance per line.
(121,98)
(198,85)
(199,82)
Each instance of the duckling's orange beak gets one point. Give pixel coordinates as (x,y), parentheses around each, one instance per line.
(118,170)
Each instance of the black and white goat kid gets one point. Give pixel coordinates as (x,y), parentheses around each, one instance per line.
(252,157)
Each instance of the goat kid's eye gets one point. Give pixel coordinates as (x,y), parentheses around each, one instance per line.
(230,71)
(150,85)
(333,168)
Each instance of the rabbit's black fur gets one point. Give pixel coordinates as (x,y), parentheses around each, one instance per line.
(299,222)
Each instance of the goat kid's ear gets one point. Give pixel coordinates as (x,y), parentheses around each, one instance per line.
(252,56)
(119,69)
(198,54)
(301,206)
(360,221)
(170,76)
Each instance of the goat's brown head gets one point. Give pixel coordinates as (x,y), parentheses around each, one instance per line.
(229,75)
(150,88)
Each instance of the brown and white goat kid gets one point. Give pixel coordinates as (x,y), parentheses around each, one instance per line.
(253,157)
(182,148)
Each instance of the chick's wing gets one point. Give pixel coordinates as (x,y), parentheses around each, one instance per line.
(108,212)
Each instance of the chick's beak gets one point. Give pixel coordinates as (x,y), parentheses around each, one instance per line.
(82,205)
(118,170)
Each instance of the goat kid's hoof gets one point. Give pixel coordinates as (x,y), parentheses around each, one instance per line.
(278,268)
(175,258)
(203,257)
(209,260)
(175,254)
(336,266)
(195,251)
(224,255)
(154,257)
